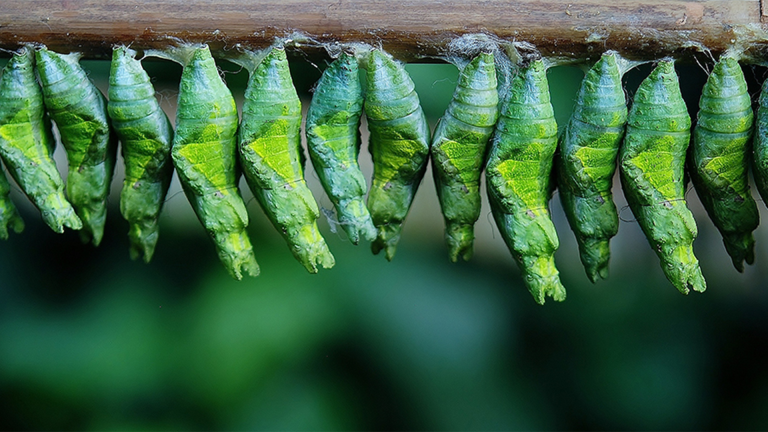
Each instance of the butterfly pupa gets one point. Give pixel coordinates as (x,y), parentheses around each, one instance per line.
(652,160)
(719,159)
(333,141)
(9,215)
(145,135)
(204,154)
(79,110)
(269,143)
(459,146)
(587,162)
(518,175)
(399,145)
(760,145)
(27,144)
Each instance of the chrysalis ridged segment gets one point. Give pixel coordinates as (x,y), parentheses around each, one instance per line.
(26,142)
(80,112)
(652,160)
(399,145)
(459,148)
(204,155)
(518,177)
(9,216)
(760,145)
(145,135)
(269,142)
(587,163)
(333,140)
(720,163)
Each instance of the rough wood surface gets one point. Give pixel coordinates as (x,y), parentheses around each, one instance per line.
(411,29)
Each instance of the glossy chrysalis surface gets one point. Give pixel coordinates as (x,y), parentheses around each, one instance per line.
(80,112)
(459,147)
(518,177)
(587,163)
(652,160)
(399,144)
(26,142)
(9,216)
(145,135)
(204,154)
(333,140)
(720,163)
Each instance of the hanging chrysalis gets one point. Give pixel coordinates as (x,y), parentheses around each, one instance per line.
(652,160)
(760,145)
(459,148)
(146,136)
(26,142)
(721,144)
(399,144)
(80,112)
(269,143)
(9,216)
(333,139)
(204,155)
(518,177)
(587,162)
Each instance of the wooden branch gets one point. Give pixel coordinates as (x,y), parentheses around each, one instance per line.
(411,29)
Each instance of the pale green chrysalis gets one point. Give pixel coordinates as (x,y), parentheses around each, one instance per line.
(9,216)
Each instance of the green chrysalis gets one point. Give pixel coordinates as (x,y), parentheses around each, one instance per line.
(80,112)
(146,136)
(333,139)
(204,154)
(399,144)
(272,159)
(459,148)
(518,175)
(9,216)
(760,145)
(587,163)
(26,142)
(652,161)
(719,163)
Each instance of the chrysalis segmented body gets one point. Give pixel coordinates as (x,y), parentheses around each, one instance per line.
(204,155)
(760,145)
(26,142)
(459,148)
(269,143)
(333,140)
(652,160)
(518,177)
(721,145)
(80,112)
(146,135)
(9,216)
(587,163)
(399,144)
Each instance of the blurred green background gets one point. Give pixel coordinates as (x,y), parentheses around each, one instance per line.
(92,340)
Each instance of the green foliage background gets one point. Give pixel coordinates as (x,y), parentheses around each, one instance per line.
(92,340)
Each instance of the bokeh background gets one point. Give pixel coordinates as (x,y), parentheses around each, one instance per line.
(92,340)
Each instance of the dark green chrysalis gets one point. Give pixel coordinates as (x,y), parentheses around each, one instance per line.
(760,145)
(269,142)
(9,216)
(518,175)
(399,144)
(26,142)
(587,163)
(146,136)
(333,140)
(80,112)
(652,161)
(204,154)
(459,148)
(720,163)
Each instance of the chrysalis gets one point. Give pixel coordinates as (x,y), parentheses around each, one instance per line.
(204,154)
(26,142)
(721,143)
(9,216)
(399,144)
(760,150)
(333,139)
(518,178)
(80,112)
(587,162)
(459,148)
(146,135)
(269,143)
(652,160)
